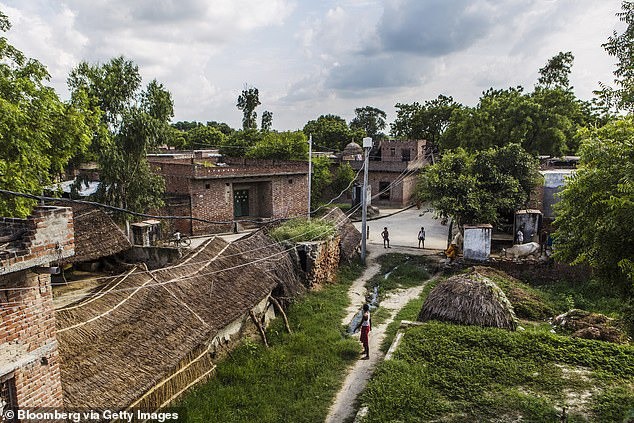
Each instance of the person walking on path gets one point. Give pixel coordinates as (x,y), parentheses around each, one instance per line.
(366,326)
(386,238)
(421,237)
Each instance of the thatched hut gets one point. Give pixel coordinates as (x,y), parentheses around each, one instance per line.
(96,235)
(469,299)
(147,336)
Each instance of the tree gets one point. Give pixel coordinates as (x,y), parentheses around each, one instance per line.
(239,142)
(247,102)
(371,120)
(428,121)
(267,121)
(621,46)
(205,137)
(479,187)
(596,207)
(280,146)
(330,131)
(133,121)
(321,179)
(555,73)
(39,134)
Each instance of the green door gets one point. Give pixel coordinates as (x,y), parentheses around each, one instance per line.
(241,203)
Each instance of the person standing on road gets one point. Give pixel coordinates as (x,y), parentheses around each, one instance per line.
(366,326)
(386,238)
(421,237)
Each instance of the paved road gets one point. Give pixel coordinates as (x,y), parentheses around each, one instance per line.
(404,227)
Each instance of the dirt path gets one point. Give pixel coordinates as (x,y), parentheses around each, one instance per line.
(359,374)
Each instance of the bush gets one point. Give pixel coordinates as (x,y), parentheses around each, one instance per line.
(302,230)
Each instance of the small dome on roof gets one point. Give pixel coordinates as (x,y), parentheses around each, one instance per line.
(352,149)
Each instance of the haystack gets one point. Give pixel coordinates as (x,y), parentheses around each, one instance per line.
(469,299)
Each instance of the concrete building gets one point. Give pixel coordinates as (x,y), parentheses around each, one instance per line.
(29,357)
(477,242)
(244,190)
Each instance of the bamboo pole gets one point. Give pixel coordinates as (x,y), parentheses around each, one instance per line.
(259,326)
(281,310)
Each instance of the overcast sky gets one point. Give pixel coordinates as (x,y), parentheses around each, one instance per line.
(310,57)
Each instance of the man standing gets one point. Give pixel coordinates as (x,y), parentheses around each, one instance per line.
(421,237)
(386,238)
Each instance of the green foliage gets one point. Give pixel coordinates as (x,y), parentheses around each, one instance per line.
(321,179)
(479,187)
(247,102)
(293,380)
(596,202)
(280,146)
(300,230)
(205,137)
(239,142)
(343,177)
(467,373)
(267,121)
(331,131)
(369,120)
(133,122)
(556,72)
(427,121)
(39,134)
(621,46)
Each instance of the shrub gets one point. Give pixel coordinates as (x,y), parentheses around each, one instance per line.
(301,230)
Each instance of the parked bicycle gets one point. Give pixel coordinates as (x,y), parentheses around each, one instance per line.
(179,240)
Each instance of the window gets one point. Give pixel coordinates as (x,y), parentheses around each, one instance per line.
(405,154)
(290,181)
(384,190)
(393,152)
(207,186)
(8,399)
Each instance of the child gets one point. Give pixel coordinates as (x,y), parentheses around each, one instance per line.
(421,237)
(386,238)
(366,326)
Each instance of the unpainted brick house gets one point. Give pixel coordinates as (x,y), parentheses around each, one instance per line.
(393,169)
(29,357)
(246,191)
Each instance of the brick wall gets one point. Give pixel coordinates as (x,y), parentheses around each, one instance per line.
(28,347)
(319,260)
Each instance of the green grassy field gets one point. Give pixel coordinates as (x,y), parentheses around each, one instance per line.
(294,380)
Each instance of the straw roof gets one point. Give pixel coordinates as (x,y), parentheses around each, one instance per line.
(114,348)
(350,236)
(352,149)
(96,235)
(469,299)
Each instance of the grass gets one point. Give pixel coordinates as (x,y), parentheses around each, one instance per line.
(301,230)
(466,373)
(402,270)
(296,378)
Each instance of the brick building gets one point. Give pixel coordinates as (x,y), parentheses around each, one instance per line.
(29,357)
(392,173)
(244,190)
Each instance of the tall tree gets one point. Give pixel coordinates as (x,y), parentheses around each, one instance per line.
(371,120)
(329,131)
(479,187)
(133,121)
(621,46)
(557,71)
(596,210)
(205,137)
(427,121)
(280,146)
(38,133)
(247,102)
(267,121)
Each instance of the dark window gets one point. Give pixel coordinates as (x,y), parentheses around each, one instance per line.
(207,186)
(241,203)
(7,396)
(405,154)
(290,181)
(384,190)
(393,152)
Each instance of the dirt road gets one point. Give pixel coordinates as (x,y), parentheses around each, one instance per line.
(359,374)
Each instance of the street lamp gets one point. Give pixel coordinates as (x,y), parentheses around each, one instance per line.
(367,145)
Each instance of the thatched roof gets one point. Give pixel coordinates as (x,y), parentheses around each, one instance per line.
(469,299)
(350,236)
(96,235)
(140,333)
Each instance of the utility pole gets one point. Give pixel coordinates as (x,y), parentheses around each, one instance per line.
(367,145)
(310,169)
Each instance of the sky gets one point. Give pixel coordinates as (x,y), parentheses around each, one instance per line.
(314,57)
